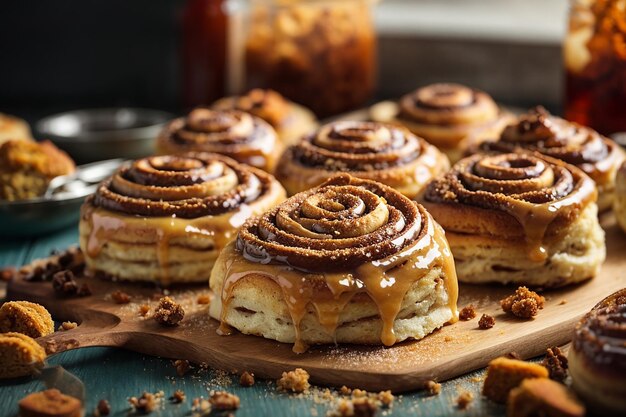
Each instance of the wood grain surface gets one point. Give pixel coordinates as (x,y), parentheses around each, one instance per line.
(452,351)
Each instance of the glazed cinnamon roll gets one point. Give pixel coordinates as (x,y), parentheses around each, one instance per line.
(236,134)
(539,131)
(449,116)
(384,153)
(519,218)
(290,120)
(597,359)
(166,218)
(352,261)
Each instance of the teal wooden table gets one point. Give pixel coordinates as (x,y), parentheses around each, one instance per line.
(116,374)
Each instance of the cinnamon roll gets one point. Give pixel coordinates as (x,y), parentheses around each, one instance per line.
(619,203)
(352,261)
(538,130)
(290,120)
(597,359)
(166,218)
(236,134)
(449,116)
(13,128)
(519,218)
(384,153)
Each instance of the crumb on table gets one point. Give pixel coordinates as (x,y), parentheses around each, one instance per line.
(102,409)
(523,304)
(543,397)
(464,399)
(556,363)
(178,397)
(182,366)
(246,379)
(504,374)
(467,313)
(222,400)
(432,387)
(120,297)
(168,312)
(486,322)
(294,381)
(67,325)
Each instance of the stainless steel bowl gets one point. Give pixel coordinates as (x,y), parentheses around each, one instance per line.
(60,209)
(96,134)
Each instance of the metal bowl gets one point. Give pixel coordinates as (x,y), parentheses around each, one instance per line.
(42,215)
(96,134)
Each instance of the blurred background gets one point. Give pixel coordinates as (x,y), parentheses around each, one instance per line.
(73,54)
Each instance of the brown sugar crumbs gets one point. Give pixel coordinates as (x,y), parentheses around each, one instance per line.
(357,407)
(294,381)
(204,299)
(169,313)
(178,397)
(432,388)
(524,303)
(222,400)
(103,408)
(386,398)
(182,366)
(246,379)
(120,297)
(464,400)
(144,309)
(486,322)
(556,363)
(467,313)
(145,404)
(67,325)
(63,283)
(345,390)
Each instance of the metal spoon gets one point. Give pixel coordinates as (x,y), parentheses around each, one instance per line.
(84,175)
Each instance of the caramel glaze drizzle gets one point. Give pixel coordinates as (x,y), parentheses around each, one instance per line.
(448,104)
(324,246)
(539,131)
(534,189)
(202,195)
(601,334)
(241,136)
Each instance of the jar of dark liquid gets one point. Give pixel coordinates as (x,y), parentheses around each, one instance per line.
(595,64)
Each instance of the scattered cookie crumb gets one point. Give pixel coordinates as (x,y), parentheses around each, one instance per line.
(386,398)
(178,397)
(294,381)
(120,297)
(486,322)
(448,339)
(556,363)
(524,303)
(513,355)
(562,302)
(144,309)
(543,397)
(467,313)
(102,409)
(200,405)
(345,390)
(246,379)
(182,366)
(145,404)
(222,400)
(67,325)
(464,399)
(357,407)
(50,402)
(504,374)
(7,274)
(63,283)
(476,379)
(204,299)
(168,312)
(432,387)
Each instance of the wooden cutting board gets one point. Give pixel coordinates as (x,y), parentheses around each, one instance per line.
(449,352)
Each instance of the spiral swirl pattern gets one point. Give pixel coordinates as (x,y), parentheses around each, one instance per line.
(448,104)
(346,220)
(186,186)
(600,335)
(266,104)
(539,131)
(233,133)
(388,154)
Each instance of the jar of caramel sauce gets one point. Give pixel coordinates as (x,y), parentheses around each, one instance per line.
(319,53)
(595,64)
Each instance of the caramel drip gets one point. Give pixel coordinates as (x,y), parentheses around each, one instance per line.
(106,225)
(534,191)
(327,245)
(539,131)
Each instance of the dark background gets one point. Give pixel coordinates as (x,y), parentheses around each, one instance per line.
(68,54)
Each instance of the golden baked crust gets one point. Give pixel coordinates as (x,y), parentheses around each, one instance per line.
(12,128)
(290,120)
(519,218)
(539,131)
(50,403)
(450,116)
(343,262)
(166,218)
(20,355)
(504,374)
(597,359)
(25,317)
(543,397)
(27,167)
(390,155)
(233,133)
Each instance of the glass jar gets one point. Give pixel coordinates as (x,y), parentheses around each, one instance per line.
(319,53)
(595,64)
